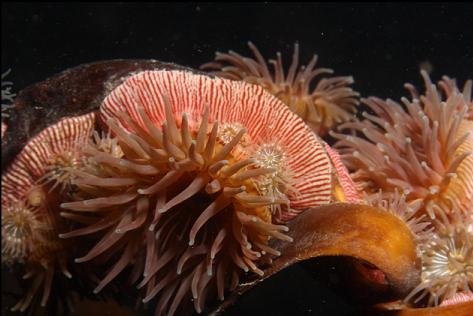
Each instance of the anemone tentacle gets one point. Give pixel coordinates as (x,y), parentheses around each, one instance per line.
(199,186)
(330,102)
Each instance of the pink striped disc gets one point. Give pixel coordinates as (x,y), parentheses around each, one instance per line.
(265,117)
(30,164)
(458,298)
(348,186)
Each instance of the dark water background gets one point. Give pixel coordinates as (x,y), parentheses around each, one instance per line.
(381,45)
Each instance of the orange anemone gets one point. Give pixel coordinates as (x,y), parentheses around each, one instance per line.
(331,101)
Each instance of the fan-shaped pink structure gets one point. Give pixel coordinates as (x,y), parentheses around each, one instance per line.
(40,151)
(264,116)
(219,161)
(29,218)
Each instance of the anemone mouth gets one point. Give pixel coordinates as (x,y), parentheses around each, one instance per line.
(421,148)
(447,261)
(331,101)
(20,228)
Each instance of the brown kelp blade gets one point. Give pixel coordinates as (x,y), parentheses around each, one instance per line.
(349,230)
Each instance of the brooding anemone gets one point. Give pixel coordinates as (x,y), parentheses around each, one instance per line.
(331,101)
(422,148)
(30,221)
(447,261)
(22,228)
(195,196)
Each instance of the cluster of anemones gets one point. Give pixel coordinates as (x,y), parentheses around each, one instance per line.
(422,149)
(189,178)
(31,190)
(445,247)
(331,101)
(157,190)
(199,175)
(416,160)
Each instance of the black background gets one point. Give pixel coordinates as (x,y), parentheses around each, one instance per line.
(381,45)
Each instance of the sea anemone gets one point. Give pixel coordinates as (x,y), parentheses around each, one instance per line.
(396,204)
(22,229)
(201,185)
(423,149)
(30,217)
(331,101)
(447,261)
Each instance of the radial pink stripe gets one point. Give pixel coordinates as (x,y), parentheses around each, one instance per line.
(459,298)
(30,163)
(348,186)
(266,118)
